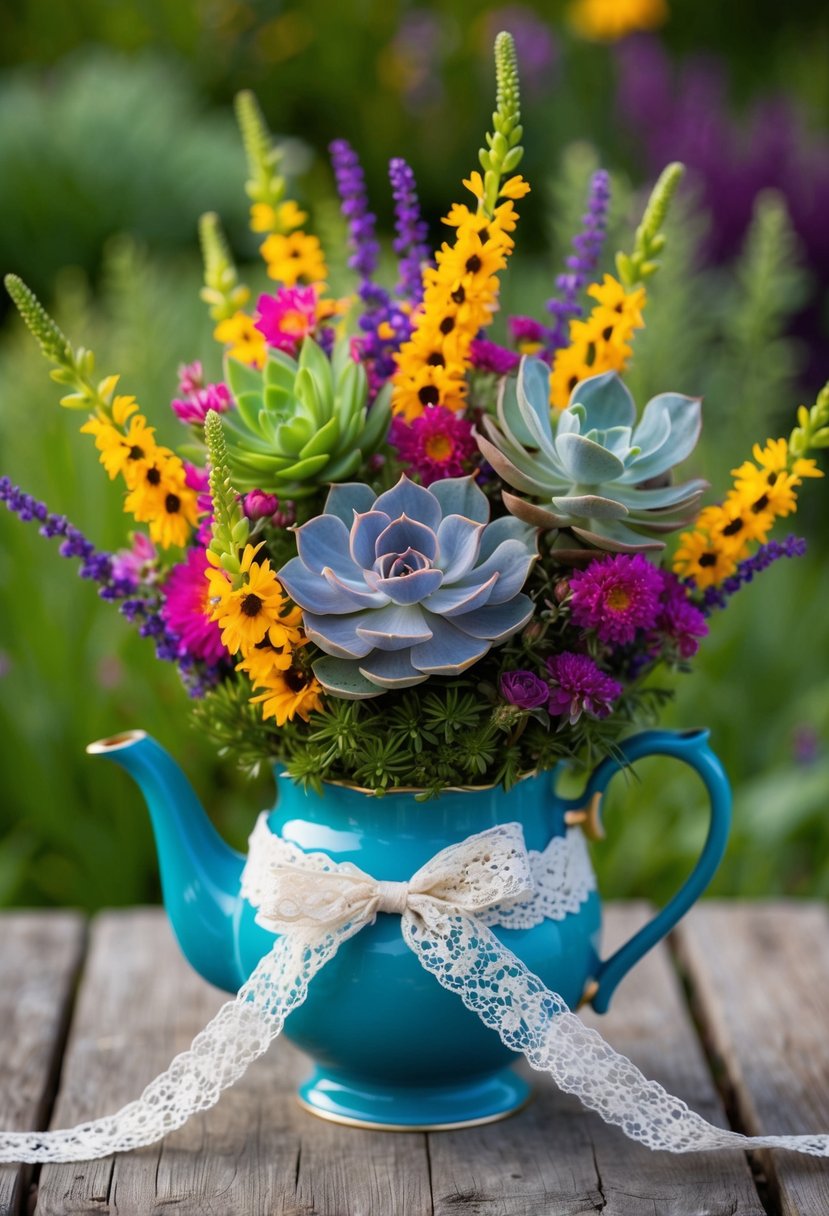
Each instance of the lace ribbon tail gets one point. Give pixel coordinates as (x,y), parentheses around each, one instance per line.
(467,958)
(241,1031)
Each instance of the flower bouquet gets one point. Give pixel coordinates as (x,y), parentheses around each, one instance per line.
(394,557)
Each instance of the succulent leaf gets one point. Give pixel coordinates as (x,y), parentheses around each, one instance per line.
(413,583)
(591,465)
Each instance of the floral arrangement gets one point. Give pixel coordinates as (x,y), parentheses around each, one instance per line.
(391,551)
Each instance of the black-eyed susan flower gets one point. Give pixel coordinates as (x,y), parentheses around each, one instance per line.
(294,257)
(290,694)
(242,339)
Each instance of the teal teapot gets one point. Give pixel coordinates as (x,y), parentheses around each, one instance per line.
(391,1047)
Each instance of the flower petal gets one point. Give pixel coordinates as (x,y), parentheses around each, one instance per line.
(496,622)
(414,501)
(395,627)
(459,540)
(448,651)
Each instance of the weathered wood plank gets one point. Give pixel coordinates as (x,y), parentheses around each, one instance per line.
(255,1152)
(39,959)
(760,978)
(557,1159)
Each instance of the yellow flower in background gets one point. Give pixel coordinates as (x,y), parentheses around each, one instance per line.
(264,217)
(289,694)
(601,341)
(243,339)
(293,258)
(609,20)
(123,452)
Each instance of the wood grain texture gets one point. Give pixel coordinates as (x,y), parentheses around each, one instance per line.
(557,1159)
(759,974)
(39,958)
(255,1152)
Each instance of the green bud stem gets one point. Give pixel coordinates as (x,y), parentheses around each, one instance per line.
(265,184)
(503,152)
(812,431)
(649,241)
(222,291)
(230,525)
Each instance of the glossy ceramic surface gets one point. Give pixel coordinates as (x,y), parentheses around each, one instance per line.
(391,1047)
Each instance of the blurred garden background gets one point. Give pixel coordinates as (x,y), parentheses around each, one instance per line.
(117,132)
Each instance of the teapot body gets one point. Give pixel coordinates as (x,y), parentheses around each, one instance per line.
(391,1046)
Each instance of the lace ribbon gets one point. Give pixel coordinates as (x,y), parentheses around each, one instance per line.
(314,904)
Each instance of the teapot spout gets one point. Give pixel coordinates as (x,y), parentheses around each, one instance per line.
(200,874)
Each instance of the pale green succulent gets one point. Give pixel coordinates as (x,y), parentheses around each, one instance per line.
(299,424)
(601,476)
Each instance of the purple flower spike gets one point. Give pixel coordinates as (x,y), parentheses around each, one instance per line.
(410,244)
(772,551)
(580,687)
(582,263)
(524,689)
(351,185)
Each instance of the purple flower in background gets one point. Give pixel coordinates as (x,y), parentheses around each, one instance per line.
(616,596)
(580,687)
(132,565)
(582,263)
(772,551)
(524,689)
(411,240)
(351,186)
(490,357)
(528,334)
(535,45)
(414,57)
(679,619)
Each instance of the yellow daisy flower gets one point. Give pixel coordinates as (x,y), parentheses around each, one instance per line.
(294,257)
(123,453)
(290,693)
(161,498)
(246,615)
(243,339)
(700,559)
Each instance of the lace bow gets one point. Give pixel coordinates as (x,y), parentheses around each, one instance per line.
(315,904)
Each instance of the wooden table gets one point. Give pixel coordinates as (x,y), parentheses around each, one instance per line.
(732,1015)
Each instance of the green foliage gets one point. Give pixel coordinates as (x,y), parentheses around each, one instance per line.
(107,144)
(503,152)
(649,241)
(231,527)
(812,430)
(222,291)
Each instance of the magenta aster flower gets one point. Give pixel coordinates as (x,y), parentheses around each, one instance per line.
(524,689)
(679,618)
(527,333)
(186,606)
(580,687)
(134,564)
(287,317)
(437,444)
(490,357)
(616,596)
(194,409)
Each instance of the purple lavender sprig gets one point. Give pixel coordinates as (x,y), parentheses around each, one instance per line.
(196,676)
(717,597)
(582,263)
(411,242)
(95,565)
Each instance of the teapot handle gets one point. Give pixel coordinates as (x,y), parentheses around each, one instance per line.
(691,747)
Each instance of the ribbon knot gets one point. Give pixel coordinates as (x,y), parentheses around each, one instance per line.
(392,897)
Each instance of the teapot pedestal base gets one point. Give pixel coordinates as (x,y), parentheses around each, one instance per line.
(402,1108)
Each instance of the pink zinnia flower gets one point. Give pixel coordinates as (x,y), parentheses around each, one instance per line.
(287,317)
(435,445)
(616,596)
(186,606)
(133,565)
(194,408)
(490,357)
(580,687)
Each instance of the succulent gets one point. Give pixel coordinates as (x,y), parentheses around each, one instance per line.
(300,423)
(409,585)
(603,477)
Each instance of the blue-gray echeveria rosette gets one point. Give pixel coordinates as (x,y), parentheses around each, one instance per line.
(411,584)
(601,474)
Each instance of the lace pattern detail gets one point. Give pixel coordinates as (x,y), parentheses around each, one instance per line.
(446,908)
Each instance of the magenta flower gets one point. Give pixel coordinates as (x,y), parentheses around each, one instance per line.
(679,618)
(194,407)
(190,378)
(490,357)
(259,505)
(617,596)
(526,331)
(524,689)
(287,317)
(186,606)
(438,444)
(580,687)
(134,564)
